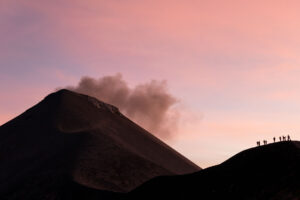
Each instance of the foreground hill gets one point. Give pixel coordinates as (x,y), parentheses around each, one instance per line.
(72,145)
(266,172)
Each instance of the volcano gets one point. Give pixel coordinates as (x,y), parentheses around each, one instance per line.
(267,172)
(71,141)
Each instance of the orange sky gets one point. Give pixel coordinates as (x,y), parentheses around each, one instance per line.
(234,65)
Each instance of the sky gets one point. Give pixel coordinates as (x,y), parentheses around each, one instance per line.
(233,65)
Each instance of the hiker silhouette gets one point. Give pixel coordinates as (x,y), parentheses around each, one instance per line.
(258,143)
(280,139)
(289,138)
(274,139)
(283,138)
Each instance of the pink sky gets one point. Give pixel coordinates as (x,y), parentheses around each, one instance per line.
(234,65)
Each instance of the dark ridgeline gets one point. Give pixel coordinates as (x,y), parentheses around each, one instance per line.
(266,172)
(72,146)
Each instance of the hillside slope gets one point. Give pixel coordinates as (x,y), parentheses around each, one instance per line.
(69,139)
(267,172)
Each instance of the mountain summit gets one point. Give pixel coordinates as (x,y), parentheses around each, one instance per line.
(266,172)
(71,137)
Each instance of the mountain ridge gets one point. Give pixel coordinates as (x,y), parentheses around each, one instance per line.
(266,172)
(84,140)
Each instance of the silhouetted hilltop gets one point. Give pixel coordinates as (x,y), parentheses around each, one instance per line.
(72,146)
(71,142)
(267,172)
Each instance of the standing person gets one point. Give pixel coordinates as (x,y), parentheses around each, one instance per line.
(289,138)
(274,139)
(283,138)
(258,143)
(280,138)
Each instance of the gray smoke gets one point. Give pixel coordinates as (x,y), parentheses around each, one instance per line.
(149,105)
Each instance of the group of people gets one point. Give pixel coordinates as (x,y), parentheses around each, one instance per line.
(281,138)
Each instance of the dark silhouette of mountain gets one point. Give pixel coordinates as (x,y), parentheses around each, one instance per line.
(72,146)
(267,172)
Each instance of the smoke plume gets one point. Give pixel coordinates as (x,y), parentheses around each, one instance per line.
(149,105)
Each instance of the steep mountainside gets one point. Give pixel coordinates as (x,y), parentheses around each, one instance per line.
(72,140)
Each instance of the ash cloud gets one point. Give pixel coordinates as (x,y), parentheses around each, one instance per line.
(149,105)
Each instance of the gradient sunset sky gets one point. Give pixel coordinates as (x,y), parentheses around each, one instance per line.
(234,65)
